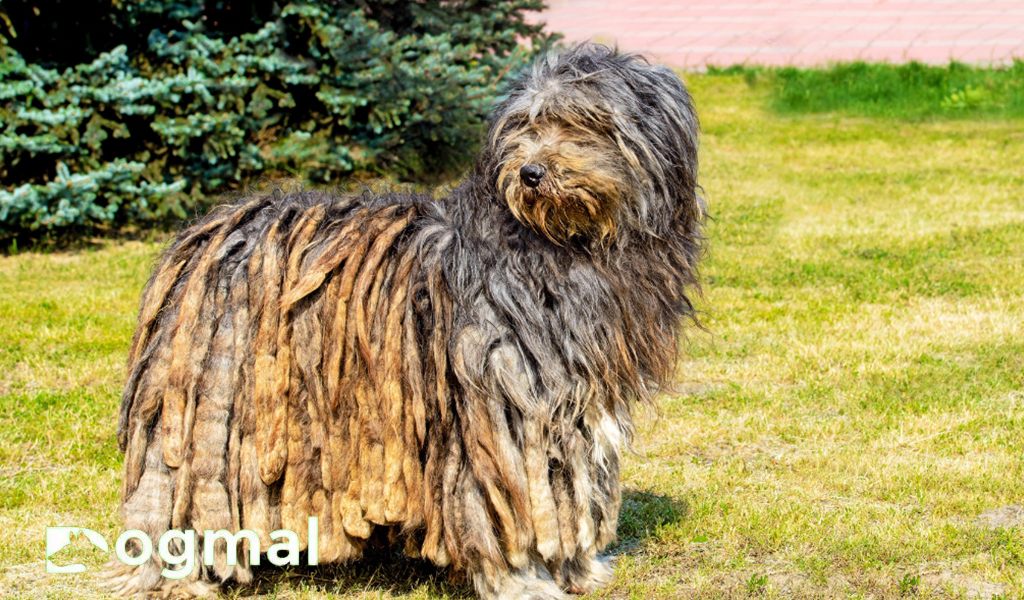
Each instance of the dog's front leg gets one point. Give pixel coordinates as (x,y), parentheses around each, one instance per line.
(537,496)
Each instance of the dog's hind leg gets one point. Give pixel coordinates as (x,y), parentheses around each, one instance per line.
(148,510)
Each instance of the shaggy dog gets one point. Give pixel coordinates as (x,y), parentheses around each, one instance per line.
(453,374)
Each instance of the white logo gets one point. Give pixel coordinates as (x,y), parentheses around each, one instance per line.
(282,553)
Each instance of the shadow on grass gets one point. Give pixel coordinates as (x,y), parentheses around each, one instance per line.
(379,572)
(388,571)
(643,513)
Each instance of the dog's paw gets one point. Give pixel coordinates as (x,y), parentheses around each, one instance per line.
(588,575)
(123,580)
(145,581)
(593,575)
(534,582)
(187,590)
(531,589)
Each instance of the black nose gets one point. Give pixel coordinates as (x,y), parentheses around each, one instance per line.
(532,174)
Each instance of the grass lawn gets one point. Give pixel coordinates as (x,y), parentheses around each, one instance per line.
(848,429)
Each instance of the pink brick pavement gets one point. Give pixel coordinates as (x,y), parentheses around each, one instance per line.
(693,35)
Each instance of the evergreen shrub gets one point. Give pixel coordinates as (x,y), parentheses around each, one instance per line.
(133,111)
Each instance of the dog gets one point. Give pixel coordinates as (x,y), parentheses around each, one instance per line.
(454,375)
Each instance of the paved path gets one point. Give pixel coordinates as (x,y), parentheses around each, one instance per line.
(793,32)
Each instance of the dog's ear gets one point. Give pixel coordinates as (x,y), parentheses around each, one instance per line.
(667,122)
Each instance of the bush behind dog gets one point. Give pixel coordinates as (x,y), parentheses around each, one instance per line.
(134,113)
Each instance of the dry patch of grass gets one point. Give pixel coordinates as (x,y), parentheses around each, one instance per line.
(845,431)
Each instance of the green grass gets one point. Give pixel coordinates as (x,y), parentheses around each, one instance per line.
(858,403)
(911,91)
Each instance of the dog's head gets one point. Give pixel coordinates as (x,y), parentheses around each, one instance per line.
(596,145)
